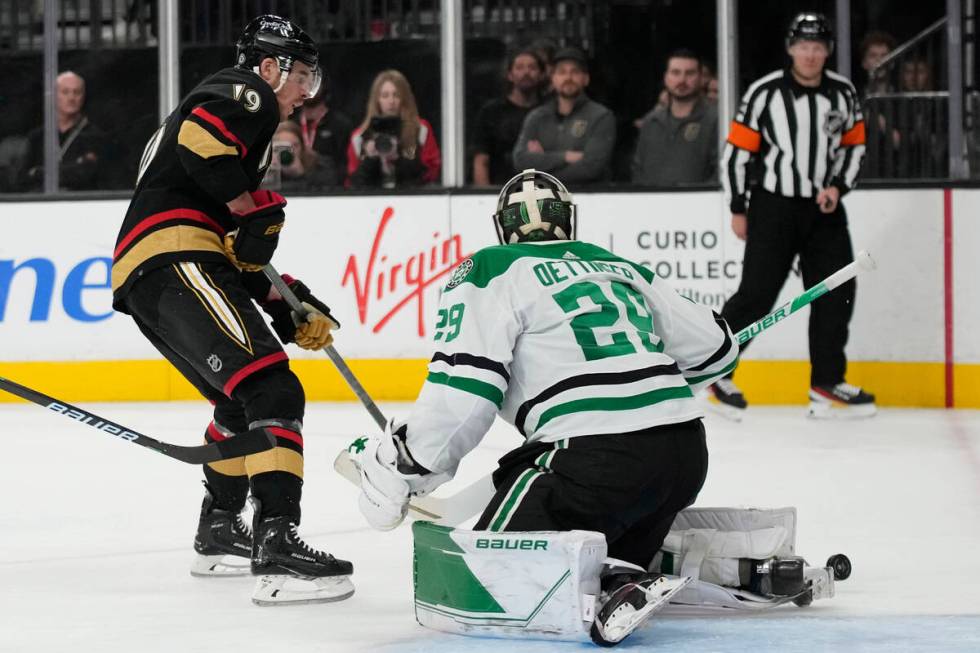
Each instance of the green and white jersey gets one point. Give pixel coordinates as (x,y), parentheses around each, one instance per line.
(564,339)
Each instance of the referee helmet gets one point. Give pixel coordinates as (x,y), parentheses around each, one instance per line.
(810,26)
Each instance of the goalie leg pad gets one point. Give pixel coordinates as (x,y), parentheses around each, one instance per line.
(538,584)
(708,543)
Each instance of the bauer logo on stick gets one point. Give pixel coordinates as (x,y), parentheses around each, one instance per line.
(92,420)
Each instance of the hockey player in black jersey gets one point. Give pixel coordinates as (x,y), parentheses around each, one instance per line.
(187,267)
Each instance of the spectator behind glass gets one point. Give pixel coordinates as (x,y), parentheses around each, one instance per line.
(325,131)
(678,142)
(82,144)
(294,166)
(875,46)
(922,149)
(398,151)
(569,135)
(709,83)
(499,122)
(545,47)
(915,77)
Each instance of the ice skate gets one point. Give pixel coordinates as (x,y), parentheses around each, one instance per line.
(290,571)
(840,401)
(223,542)
(629,605)
(727,400)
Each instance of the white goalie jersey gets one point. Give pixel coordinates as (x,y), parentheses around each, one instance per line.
(563,339)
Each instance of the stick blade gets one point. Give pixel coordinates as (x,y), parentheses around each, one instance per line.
(865,261)
(448,511)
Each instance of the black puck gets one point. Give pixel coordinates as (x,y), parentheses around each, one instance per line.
(841,565)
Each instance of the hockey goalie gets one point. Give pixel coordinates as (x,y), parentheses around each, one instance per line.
(595,361)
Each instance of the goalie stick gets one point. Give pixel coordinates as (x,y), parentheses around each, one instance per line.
(240,445)
(468,502)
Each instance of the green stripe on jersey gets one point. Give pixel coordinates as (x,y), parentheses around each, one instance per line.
(492,262)
(698,379)
(614,403)
(476,387)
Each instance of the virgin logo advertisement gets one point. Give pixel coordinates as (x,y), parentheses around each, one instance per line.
(388,284)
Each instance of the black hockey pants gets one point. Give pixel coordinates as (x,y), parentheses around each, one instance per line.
(779,228)
(627,486)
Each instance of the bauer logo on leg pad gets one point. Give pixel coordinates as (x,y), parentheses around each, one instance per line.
(512,544)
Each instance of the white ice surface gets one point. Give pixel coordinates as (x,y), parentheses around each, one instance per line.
(95,538)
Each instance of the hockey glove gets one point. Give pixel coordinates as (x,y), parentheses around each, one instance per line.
(251,245)
(313,332)
(390,477)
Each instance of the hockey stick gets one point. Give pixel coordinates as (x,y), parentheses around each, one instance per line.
(338,361)
(862,261)
(240,445)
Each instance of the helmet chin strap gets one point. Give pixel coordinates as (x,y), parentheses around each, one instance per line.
(283,76)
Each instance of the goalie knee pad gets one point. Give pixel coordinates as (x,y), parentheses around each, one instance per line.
(539,584)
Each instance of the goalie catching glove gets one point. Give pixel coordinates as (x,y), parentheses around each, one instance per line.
(251,245)
(390,477)
(312,331)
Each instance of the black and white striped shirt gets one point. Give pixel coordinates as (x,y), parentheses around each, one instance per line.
(806,138)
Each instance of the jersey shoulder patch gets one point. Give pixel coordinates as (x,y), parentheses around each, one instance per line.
(460,273)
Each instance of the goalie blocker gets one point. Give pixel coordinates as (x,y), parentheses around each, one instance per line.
(561,585)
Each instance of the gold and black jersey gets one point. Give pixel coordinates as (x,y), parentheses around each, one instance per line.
(211,149)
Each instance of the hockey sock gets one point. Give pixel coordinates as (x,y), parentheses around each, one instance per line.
(226,479)
(280,494)
(229,492)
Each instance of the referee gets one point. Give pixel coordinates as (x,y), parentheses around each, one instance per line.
(801,133)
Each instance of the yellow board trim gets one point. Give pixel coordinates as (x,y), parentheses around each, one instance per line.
(764,382)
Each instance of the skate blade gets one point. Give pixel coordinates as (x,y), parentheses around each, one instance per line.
(730,413)
(823,410)
(220,566)
(625,620)
(298,590)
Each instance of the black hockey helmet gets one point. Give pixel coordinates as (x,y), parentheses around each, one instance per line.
(810,26)
(534,206)
(273,36)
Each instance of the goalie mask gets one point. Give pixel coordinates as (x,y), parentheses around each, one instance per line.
(272,36)
(534,206)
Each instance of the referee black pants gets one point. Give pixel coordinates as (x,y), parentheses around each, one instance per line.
(628,486)
(779,228)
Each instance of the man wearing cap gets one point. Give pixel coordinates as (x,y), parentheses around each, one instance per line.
(570,135)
